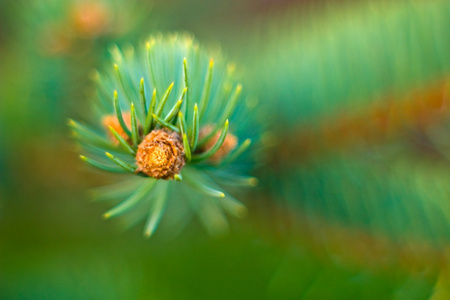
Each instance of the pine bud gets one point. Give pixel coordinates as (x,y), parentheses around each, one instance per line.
(161,154)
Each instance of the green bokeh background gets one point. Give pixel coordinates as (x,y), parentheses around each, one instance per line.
(364,223)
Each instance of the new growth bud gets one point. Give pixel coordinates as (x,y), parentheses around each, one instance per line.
(161,154)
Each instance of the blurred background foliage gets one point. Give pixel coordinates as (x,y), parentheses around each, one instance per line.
(354,192)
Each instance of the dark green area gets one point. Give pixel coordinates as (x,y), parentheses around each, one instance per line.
(302,61)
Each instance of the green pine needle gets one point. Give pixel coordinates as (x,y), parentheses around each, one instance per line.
(117,190)
(235,180)
(211,214)
(201,187)
(206,89)
(200,182)
(122,84)
(165,124)
(235,154)
(207,154)
(126,166)
(122,141)
(149,47)
(195,128)
(149,119)
(231,106)
(134,127)
(174,111)
(163,101)
(131,201)
(119,114)
(84,133)
(142,98)
(181,123)
(157,210)
(101,166)
(187,149)
(186,84)
(234,207)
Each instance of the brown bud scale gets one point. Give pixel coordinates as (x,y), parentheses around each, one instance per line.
(161,154)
